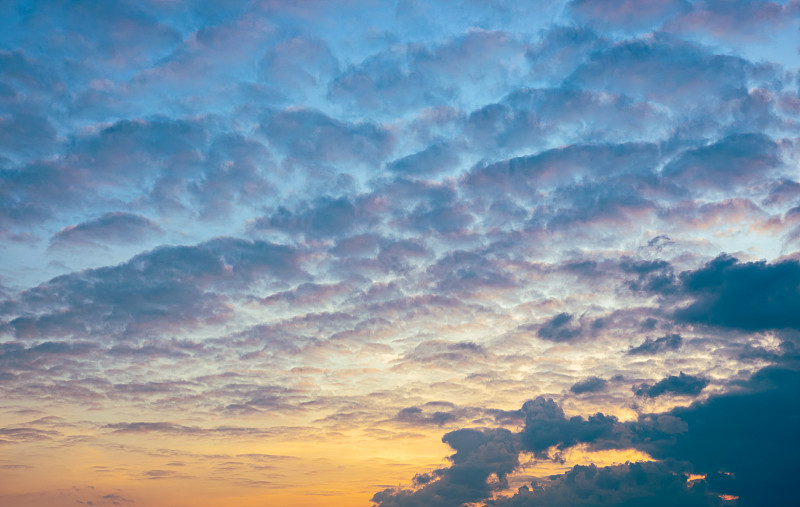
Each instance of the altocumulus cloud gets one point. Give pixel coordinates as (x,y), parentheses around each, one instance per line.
(361,224)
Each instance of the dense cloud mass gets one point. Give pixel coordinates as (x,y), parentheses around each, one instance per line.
(270,252)
(705,438)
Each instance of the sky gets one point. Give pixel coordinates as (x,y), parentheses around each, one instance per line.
(399,253)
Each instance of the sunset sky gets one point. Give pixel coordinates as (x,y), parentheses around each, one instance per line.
(399,253)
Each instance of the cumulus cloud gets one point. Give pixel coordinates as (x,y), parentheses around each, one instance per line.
(479,455)
(688,440)
(752,296)
(643,483)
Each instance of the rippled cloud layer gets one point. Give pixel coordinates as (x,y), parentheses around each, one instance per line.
(399,253)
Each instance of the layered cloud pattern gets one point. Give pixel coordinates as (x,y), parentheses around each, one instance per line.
(399,253)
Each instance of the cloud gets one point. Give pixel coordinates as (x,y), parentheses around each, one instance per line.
(298,64)
(560,168)
(558,329)
(663,69)
(764,409)
(626,14)
(102,166)
(752,296)
(432,414)
(165,288)
(179,429)
(644,483)
(461,272)
(437,158)
(326,217)
(589,385)
(16,357)
(446,354)
(735,160)
(650,346)
(479,455)
(546,426)
(116,31)
(681,385)
(736,20)
(26,135)
(312,136)
(428,202)
(705,438)
(235,172)
(113,227)
(560,49)
(411,76)
(25,434)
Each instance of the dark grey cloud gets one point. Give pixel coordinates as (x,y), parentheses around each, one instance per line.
(172,165)
(112,227)
(589,385)
(546,426)
(764,410)
(752,296)
(358,245)
(651,276)
(680,385)
(707,437)
(479,454)
(659,345)
(559,329)
(651,483)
